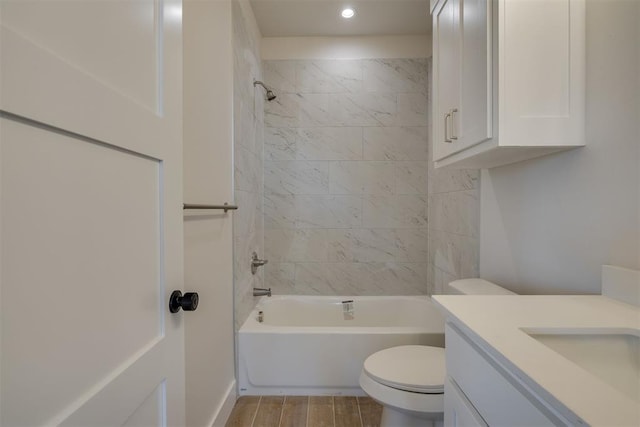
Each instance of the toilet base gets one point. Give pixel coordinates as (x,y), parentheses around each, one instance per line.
(394,418)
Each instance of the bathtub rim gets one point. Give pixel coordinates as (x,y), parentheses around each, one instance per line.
(252,326)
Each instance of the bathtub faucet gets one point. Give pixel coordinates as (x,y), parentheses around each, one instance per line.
(258,292)
(256,262)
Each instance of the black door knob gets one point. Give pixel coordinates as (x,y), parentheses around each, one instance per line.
(187,302)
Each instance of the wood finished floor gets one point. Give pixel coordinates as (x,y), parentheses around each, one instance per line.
(305,411)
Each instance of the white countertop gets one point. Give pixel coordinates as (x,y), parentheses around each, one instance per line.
(498,322)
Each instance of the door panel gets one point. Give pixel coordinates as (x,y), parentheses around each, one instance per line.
(447,74)
(90,213)
(475,116)
(87,97)
(99,52)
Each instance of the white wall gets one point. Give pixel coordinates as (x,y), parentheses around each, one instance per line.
(547,225)
(208,170)
(350,47)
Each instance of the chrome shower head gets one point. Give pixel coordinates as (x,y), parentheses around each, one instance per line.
(270,95)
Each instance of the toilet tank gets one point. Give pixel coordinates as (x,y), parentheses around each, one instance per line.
(476,287)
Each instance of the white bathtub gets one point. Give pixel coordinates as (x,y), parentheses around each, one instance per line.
(305,346)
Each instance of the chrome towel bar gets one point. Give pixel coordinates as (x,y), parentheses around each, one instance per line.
(226,207)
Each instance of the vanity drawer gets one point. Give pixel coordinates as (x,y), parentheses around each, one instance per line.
(499,398)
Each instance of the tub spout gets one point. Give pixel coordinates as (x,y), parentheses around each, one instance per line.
(259,292)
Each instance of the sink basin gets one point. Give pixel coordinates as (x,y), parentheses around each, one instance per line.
(613,356)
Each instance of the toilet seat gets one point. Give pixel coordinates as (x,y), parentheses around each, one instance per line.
(414,368)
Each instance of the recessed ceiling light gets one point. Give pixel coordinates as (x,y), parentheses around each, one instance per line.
(347,13)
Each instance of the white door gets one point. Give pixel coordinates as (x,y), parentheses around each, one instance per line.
(90,213)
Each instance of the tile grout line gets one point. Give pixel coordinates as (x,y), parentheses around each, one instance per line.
(255,414)
(306,423)
(284,400)
(333,408)
(359,411)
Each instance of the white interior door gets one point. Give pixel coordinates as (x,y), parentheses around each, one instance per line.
(90,213)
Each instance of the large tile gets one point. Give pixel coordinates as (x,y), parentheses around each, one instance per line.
(411,244)
(294,411)
(346,410)
(328,211)
(454,254)
(314,143)
(363,109)
(399,278)
(249,214)
(269,411)
(314,110)
(329,143)
(361,177)
(395,143)
(378,245)
(441,280)
(456,212)
(280,143)
(396,211)
(283,111)
(411,177)
(298,245)
(320,411)
(411,110)
(354,278)
(296,177)
(280,75)
(280,277)
(243,412)
(444,180)
(246,127)
(328,278)
(395,75)
(329,76)
(361,245)
(247,170)
(280,211)
(370,411)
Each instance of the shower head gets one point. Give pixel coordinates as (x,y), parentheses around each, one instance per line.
(270,95)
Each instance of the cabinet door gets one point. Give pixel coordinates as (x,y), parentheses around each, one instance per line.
(542,73)
(458,411)
(446,69)
(471,124)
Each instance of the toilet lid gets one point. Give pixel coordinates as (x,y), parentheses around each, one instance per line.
(416,368)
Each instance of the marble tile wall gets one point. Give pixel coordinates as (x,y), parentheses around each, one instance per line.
(345,177)
(248,117)
(453,228)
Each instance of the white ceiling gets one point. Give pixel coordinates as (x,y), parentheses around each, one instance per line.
(297,18)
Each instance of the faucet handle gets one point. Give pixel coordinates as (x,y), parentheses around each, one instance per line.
(256,262)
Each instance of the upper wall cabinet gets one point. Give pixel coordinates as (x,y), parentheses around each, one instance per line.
(508,80)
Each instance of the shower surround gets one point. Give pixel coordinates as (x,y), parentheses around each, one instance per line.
(345,177)
(248,121)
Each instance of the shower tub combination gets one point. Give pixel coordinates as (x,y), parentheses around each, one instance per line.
(316,345)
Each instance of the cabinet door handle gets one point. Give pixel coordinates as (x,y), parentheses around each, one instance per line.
(453,123)
(446,127)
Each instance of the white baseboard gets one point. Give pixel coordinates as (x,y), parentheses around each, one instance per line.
(223,411)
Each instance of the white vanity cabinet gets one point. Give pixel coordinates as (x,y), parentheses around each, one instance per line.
(508,80)
(480,391)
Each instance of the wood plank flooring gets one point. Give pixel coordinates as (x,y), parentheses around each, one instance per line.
(305,411)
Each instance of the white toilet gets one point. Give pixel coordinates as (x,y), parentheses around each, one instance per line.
(409,380)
